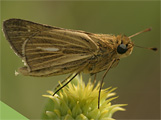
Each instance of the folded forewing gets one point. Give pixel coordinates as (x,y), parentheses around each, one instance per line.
(42,46)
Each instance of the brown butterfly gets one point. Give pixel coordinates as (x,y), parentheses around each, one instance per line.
(49,51)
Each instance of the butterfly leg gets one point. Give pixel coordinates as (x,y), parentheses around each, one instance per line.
(63,81)
(94,79)
(78,72)
(99,94)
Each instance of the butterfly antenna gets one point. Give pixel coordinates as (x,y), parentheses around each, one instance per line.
(146,30)
(154,49)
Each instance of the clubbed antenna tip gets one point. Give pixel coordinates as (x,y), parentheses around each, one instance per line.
(154,49)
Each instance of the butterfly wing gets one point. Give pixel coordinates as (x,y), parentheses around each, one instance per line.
(48,50)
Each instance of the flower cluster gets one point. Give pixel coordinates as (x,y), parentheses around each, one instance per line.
(80,102)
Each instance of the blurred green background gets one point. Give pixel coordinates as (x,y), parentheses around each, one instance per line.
(137,76)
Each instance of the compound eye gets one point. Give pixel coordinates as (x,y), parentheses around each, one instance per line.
(121,49)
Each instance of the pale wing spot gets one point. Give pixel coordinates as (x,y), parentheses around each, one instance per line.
(24,62)
(16,73)
(29,28)
(51,49)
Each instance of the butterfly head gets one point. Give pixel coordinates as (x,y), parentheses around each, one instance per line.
(124,46)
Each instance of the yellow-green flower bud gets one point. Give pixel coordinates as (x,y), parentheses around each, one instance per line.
(80,102)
